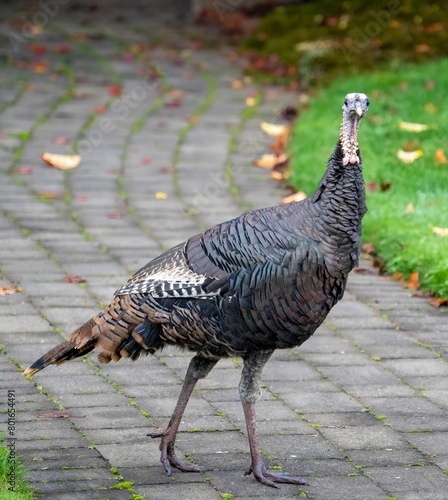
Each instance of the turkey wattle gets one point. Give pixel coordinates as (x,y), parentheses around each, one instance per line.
(263,281)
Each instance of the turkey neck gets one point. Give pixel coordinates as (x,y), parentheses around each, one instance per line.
(340,206)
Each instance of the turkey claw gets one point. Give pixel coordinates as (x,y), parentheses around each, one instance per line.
(168,456)
(269,478)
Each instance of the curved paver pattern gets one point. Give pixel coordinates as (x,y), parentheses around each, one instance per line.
(360,409)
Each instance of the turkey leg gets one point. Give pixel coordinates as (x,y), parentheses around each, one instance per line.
(249,392)
(198,368)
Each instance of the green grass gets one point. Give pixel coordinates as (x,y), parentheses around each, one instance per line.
(414,93)
(23,490)
(344,37)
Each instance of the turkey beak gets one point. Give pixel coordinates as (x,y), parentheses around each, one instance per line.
(359,111)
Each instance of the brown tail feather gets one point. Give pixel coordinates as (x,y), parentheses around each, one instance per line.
(80,342)
(112,332)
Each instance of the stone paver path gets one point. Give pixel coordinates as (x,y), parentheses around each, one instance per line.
(360,410)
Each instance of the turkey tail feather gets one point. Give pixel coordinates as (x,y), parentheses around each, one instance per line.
(80,342)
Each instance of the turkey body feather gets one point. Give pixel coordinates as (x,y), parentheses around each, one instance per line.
(262,281)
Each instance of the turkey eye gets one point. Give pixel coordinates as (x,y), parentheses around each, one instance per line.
(368,102)
(346,102)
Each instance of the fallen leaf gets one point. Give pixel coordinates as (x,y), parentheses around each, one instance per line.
(174,103)
(74,279)
(25,170)
(251,101)
(279,176)
(414,282)
(396,276)
(274,129)
(385,186)
(169,170)
(176,93)
(288,113)
(41,66)
(438,302)
(146,160)
(60,140)
(372,186)
(440,156)
(271,160)
(80,197)
(415,127)
(53,414)
(364,271)
(429,84)
(115,215)
(422,48)
(440,231)
(429,106)
(10,290)
(38,48)
(99,109)
(299,196)
(237,84)
(161,196)
(114,90)
(63,162)
(193,120)
(410,208)
(62,48)
(409,156)
(49,195)
(128,57)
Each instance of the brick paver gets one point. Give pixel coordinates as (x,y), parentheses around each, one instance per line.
(360,410)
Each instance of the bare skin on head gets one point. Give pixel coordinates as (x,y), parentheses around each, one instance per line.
(354,109)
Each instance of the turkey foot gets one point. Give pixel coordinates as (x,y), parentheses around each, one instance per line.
(199,368)
(168,456)
(269,478)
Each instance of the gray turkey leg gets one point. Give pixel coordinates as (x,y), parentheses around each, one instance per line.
(249,392)
(198,368)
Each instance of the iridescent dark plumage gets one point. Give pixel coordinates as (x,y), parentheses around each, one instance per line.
(262,281)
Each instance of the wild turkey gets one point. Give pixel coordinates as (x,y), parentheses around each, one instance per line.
(262,281)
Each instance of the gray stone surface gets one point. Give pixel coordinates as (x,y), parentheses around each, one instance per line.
(360,410)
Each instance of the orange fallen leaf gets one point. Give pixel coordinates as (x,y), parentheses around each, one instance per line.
(10,290)
(410,208)
(396,276)
(63,162)
(80,197)
(251,101)
(161,196)
(414,282)
(146,160)
(299,196)
(438,302)
(49,195)
(440,156)
(41,66)
(237,84)
(271,160)
(115,215)
(176,93)
(193,120)
(440,231)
